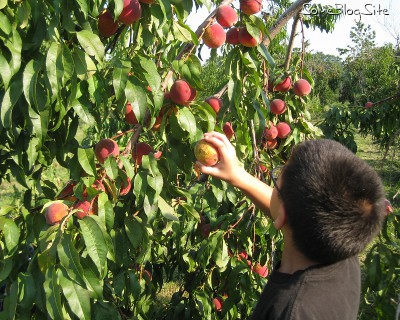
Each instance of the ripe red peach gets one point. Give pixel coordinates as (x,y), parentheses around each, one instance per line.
(301,87)
(232,36)
(243,255)
(84,208)
(131,12)
(368,105)
(228,130)
(218,303)
(214,36)
(247,40)
(55,213)
(270,133)
(215,103)
(277,106)
(147,1)
(105,148)
(284,85)
(226,16)
(250,6)
(141,149)
(261,270)
(193,94)
(181,92)
(125,186)
(106,24)
(130,116)
(205,230)
(283,129)
(67,193)
(272,144)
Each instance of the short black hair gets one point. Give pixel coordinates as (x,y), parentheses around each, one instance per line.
(334,201)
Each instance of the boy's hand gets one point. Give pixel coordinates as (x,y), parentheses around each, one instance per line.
(228,168)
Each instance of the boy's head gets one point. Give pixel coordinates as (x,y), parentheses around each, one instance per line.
(334,201)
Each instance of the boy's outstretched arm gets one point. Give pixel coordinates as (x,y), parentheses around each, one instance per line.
(229,170)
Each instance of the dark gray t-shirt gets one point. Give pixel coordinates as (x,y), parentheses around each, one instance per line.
(328,292)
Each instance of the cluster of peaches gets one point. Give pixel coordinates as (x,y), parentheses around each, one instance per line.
(226,17)
(87,204)
(282,129)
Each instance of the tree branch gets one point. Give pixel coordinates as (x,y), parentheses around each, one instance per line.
(291,41)
(290,12)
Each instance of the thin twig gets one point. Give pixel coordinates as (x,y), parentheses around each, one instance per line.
(290,12)
(303,48)
(291,41)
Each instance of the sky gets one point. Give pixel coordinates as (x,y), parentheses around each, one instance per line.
(374,12)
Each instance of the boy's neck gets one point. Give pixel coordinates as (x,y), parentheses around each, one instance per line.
(292,259)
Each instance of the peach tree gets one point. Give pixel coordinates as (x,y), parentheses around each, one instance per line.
(135,214)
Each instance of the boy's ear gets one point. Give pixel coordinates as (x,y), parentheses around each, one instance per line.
(280,220)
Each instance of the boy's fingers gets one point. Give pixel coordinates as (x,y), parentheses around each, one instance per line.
(205,169)
(219,144)
(219,136)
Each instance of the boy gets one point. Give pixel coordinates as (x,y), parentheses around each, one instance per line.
(329,205)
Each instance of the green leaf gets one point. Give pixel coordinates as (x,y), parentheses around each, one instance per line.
(27,290)
(11,234)
(166,210)
(118,6)
(47,258)
(70,260)
(111,166)
(120,76)
(129,169)
(6,266)
(192,211)
(14,43)
(220,254)
(135,284)
(264,52)
(32,151)
(106,311)
(181,32)
(51,67)
(7,104)
(86,160)
(105,210)
(134,230)
(83,112)
(187,122)
(11,301)
(140,187)
(259,120)
(96,245)
(83,4)
(52,290)
(5,71)
(151,75)
(93,282)
(92,44)
(5,209)
(84,65)
(3,4)
(78,298)
(136,95)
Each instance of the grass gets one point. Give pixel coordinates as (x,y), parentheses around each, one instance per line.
(388,168)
